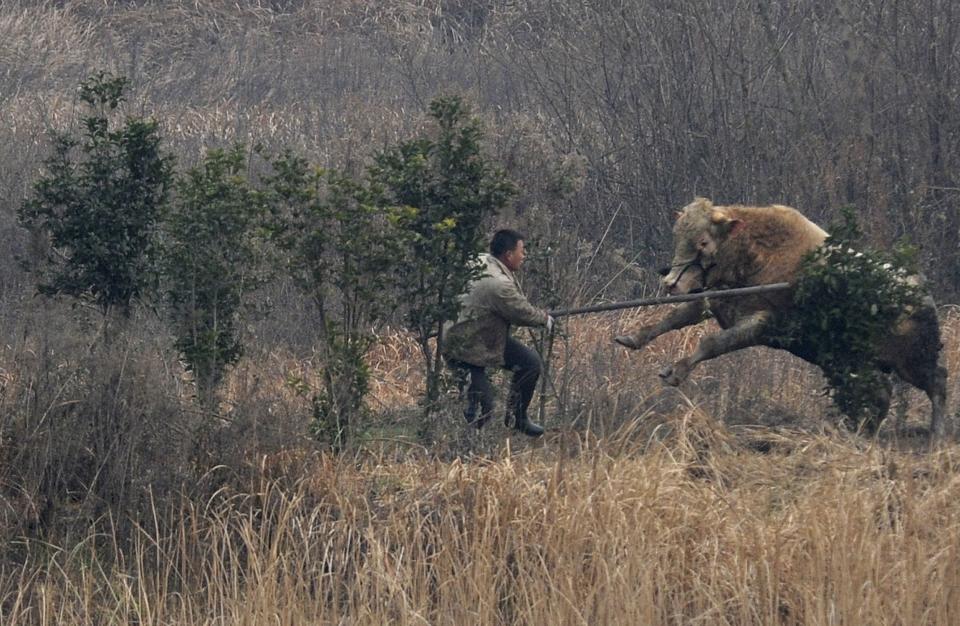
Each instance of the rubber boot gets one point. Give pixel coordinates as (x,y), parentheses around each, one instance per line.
(527,427)
(470,414)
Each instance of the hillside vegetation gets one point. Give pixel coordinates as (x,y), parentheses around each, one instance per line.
(609,115)
(132,493)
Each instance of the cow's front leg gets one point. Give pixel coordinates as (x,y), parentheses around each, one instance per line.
(685,315)
(745,333)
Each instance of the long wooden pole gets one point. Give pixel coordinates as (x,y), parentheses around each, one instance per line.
(687,297)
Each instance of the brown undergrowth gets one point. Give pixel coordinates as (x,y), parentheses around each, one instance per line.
(731,501)
(688,527)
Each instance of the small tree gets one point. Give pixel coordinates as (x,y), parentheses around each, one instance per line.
(847,299)
(211,260)
(99,203)
(451,190)
(343,244)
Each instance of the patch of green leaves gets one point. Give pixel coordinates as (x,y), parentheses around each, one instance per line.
(99,202)
(848,298)
(451,189)
(342,242)
(211,261)
(339,406)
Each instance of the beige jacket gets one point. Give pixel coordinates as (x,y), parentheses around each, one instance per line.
(492,303)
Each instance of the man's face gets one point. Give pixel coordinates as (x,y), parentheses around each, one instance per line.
(513,259)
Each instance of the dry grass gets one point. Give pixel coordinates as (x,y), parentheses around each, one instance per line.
(730,501)
(695,528)
(640,506)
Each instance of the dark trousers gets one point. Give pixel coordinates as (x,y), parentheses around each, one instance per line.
(525,364)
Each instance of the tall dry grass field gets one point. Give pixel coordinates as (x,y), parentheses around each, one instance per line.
(733,500)
(640,506)
(694,529)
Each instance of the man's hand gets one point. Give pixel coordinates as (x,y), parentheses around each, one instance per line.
(550,324)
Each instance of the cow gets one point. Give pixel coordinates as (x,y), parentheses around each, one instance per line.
(717,247)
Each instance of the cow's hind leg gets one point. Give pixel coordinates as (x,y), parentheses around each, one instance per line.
(745,333)
(936,390)
(933,382)
(915,355)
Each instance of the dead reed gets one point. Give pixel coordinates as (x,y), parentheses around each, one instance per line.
(731,501)
(693,528)
(641,506)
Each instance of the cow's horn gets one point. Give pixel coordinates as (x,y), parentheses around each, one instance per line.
(719,217)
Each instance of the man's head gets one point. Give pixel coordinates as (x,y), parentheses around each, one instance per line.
(507,246)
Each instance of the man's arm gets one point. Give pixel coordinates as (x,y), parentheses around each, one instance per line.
(513,306)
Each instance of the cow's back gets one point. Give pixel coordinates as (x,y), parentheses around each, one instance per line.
(770,245)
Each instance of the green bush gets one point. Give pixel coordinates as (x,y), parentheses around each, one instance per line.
(212,258)
(99,203)
(342,245)
(451,189)
(847,300)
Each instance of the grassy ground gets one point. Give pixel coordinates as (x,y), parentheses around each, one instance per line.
(695,527)
(732,501)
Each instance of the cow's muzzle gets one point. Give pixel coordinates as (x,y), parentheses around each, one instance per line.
(680,269)
(696,262)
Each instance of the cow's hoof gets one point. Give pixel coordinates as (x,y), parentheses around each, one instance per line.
(670,376)
(627,341)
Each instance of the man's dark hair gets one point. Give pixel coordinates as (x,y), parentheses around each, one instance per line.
(505,240)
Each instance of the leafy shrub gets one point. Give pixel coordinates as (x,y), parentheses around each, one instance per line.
(212,258)
(343,244)
(99,202)
(451,189)
(847,299)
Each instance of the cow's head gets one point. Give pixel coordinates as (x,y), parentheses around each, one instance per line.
(699,231)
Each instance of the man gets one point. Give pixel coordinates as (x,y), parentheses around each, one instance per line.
(480,338)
